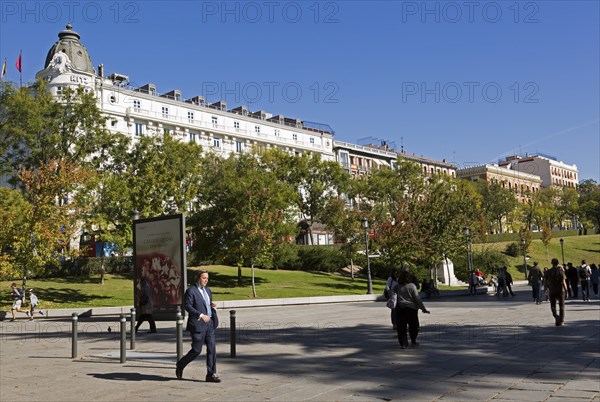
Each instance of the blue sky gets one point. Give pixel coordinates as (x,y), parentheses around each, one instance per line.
(469,82)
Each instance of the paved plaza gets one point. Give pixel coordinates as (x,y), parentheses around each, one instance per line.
(472,348)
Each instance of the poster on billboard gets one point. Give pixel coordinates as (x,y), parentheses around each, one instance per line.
(160,265)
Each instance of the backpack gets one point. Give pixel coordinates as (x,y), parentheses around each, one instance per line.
(553,278)
(18,294)
(584,274)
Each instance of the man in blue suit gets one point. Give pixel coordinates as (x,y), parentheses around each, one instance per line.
(202,322)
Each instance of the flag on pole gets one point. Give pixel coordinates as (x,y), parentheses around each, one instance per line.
(3,70)
(19,64)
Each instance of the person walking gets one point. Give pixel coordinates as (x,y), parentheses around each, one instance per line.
(509,281)
(572,280)
(473,282)
(146,307)
(501,287)
(535,279)
(585,273)
(595,278)
(33,303)
(556,285)
(202,322)
(407,309)
(17,297)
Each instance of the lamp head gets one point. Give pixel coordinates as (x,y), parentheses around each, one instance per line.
(365,223)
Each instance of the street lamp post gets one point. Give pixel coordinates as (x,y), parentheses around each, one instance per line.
(524,256)
(365,225)
(562,251)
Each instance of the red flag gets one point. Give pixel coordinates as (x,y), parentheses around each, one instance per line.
(19,63)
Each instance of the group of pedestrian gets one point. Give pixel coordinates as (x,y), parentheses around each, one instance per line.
(584,276)
(18,298)
(561,284)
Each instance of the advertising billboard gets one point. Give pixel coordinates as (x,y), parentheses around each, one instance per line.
(159,258)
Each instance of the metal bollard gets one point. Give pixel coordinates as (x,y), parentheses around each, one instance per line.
(232,333)
(123,338)
(179,334)
(74,320)
(132,338)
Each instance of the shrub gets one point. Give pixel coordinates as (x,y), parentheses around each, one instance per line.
(287,257)
(488,260)
(112,265)
(321,258)
(512,249)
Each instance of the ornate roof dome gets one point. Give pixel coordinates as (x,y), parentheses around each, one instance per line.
(68,43)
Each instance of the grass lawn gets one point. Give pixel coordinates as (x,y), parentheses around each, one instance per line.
(118,290)
(576,248)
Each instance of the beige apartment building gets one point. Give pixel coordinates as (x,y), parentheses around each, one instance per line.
(524,185)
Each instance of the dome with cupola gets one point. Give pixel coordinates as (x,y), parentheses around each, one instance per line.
(69,45)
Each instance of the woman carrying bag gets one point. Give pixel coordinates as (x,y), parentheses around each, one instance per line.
(408,304)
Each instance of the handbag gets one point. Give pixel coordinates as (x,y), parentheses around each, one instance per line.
(391,303)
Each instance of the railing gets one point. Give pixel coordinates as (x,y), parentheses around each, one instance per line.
(366,149)
(220,128)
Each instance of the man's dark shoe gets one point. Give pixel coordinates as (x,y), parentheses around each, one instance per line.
(212,378)
(178,372)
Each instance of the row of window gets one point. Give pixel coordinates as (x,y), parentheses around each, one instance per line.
(137,105)
(433,171)
(524,188)
(564,173)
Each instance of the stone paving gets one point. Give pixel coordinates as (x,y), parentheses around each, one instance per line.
(472,348)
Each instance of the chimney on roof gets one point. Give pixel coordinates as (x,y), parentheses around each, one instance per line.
(196,100)
(221,105)
(243,110)
(174,94)
(149,89)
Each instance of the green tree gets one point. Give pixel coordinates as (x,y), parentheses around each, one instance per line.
(345,223)
(389,198)
(317,182)
(246,212)
(589,202)
(14,210)
(568,206)
(497,203)
(449,206)
(51,221)
(37,129)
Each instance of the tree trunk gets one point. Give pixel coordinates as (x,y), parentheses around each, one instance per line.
(239,281)
(102,262)
(253,285)
(352,268)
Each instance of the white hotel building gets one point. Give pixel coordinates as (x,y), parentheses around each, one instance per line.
(144,111)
